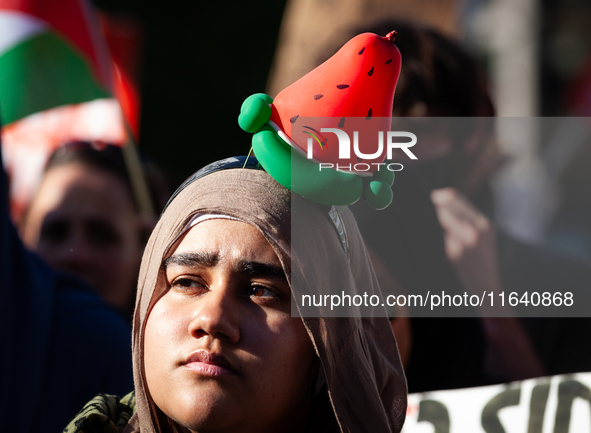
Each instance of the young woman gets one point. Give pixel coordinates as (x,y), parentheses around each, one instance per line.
(215,346)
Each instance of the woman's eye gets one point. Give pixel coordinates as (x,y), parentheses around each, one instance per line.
(55,232)
(184,284)
(262,292)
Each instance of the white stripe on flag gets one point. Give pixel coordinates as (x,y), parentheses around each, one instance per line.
(16,27)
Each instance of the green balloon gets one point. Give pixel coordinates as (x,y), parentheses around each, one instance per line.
(255,112)
(378,194)
(273,155)
(302,176)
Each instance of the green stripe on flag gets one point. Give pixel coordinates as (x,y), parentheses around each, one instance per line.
(43,72)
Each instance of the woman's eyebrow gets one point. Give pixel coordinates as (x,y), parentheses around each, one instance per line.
(204,259)
(260,269)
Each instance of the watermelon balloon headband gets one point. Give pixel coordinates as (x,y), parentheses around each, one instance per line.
(356,84)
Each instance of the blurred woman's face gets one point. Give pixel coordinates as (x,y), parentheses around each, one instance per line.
(83,221)
(221,349)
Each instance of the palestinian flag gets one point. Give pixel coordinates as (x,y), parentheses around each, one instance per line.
(51,54)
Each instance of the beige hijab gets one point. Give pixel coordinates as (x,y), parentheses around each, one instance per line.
(360,365)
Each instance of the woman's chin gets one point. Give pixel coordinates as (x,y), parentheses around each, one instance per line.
(209,409)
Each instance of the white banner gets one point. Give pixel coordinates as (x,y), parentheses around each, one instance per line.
(558,404)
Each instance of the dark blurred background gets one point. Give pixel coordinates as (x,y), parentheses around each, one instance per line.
(200,61)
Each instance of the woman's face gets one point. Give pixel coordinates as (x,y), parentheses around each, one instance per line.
(221,349)
(82,220)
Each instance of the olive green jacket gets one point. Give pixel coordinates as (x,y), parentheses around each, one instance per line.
(104,414)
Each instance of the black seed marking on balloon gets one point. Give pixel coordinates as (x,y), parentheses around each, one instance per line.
(342,122)
(370,73)
(362,50)
(294,118)
(317,97)
(369,114)
(342,86)
(388,61)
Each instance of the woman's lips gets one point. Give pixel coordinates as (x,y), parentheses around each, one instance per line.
(209,364)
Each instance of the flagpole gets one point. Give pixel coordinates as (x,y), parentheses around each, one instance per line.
(139,185)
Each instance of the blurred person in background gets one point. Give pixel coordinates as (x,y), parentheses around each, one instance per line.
(439,79)
(84,219)
(61,344)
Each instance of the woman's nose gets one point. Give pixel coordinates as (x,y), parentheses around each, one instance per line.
(74,251)
(74,256)
(217,315)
